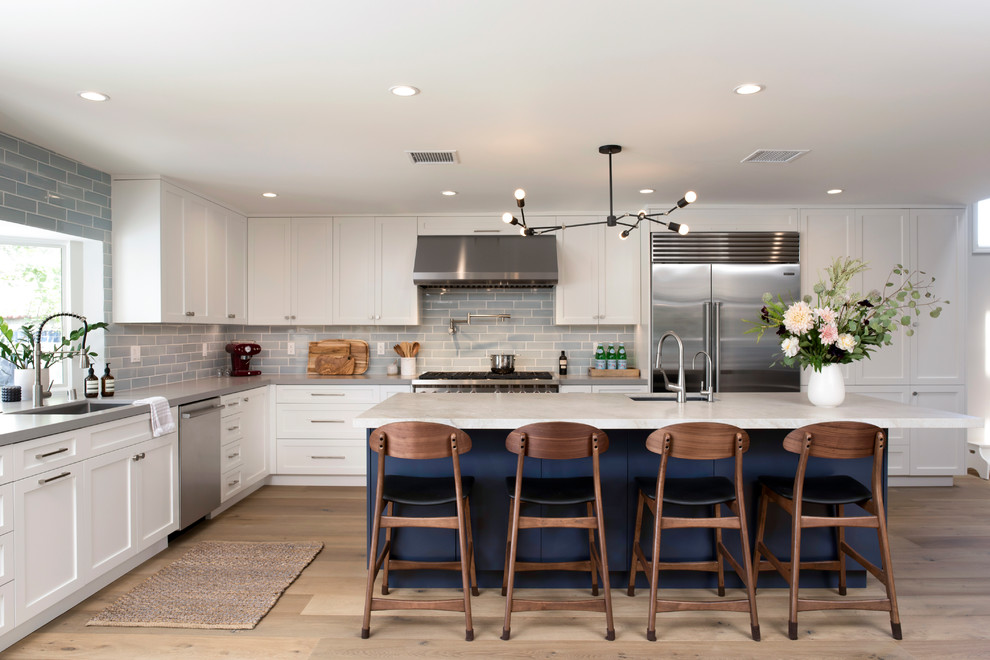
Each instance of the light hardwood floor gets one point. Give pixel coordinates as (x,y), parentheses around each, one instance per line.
(941,548)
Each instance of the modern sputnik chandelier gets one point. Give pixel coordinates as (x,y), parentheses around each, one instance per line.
(612,220)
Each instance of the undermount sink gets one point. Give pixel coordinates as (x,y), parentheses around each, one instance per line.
(74,408)
(666,396)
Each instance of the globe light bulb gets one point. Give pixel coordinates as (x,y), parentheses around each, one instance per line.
(507,218)
(520,193)
(624,235)
(690,197)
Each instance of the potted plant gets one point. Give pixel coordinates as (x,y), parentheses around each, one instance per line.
(838,326)
(17,346)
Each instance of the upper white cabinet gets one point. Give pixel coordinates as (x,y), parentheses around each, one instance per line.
(289,270)
(473,226)
(170,255)
(599,275)
(931,240)
(372,266)
(236,228)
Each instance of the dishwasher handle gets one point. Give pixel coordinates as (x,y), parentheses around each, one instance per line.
(200,413)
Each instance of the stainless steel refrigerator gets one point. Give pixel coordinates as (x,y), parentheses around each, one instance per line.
(703,286)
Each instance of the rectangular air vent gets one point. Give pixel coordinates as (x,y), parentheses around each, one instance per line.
(774,155)
(434,157)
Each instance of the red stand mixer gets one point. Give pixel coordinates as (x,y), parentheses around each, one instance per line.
(241,353)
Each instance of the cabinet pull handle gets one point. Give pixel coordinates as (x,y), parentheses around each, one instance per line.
(233,428)
(200,412)
(487,231)
(339,458)
(190,313)
(65,449)
(231,404)
(327,394)
(233,483)
(326,421)
(231,316)
(245,399)
(234,455)
(138,457)
(42,482)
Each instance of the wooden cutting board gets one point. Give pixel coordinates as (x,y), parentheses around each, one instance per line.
(331,357)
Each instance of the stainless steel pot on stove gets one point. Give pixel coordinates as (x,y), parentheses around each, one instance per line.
(503,363)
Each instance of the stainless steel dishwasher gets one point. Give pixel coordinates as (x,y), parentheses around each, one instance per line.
(199,460)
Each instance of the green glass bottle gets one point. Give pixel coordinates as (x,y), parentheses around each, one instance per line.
(600,357)
(611,357)
(621,360)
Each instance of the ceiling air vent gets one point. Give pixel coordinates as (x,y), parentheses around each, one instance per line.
(434,157)
(774,155)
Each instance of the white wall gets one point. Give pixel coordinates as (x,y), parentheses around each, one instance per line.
(978,340)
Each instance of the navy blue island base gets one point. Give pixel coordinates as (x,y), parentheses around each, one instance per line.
(627,458)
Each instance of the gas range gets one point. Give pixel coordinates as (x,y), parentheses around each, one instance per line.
(485,382)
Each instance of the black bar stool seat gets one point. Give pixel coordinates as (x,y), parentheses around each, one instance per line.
(423,491)
(558,491)
(690,492)
(837,489)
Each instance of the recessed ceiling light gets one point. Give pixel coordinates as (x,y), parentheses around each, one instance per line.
(448,193)
(749,88)
(647,191)
(94,96)
(403,90)
(269,194)
(834,191)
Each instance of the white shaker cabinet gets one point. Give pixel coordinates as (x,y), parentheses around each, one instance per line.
(236,296)
(289,271)
(244,440)
(468,226)
(599,275)
(373,264)
(49,538)
(170,250)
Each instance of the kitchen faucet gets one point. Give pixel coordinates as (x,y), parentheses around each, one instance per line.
(679,387)
(498,317)
(710,392)
(37,391)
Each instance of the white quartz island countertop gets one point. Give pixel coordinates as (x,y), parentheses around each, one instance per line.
(756,410)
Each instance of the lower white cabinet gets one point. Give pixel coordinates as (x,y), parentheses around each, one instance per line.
(157,491)
(244,441)
(6,607)
(605,389)
(49,539)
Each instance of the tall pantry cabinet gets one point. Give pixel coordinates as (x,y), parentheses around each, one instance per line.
(927,369)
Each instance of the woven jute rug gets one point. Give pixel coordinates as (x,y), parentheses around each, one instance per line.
(216,584)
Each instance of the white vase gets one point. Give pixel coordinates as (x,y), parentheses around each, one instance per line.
(826,387)
(25,378)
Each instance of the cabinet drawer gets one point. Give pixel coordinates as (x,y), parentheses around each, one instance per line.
(6,508)
(321,457)
(6,607)
(234,403)
(36,456)
(6,557)
(6,463)
(326,394)
(620,389)
(231,428)
(121,433)
(230,456)
(307,421)
(231,484)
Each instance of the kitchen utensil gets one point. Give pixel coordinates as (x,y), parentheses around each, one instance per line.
(334,365)
(415,349)
(398,350)
(503,363)
(356,349)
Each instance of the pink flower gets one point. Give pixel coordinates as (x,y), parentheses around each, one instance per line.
(829,334)
(798,319)
(826,314)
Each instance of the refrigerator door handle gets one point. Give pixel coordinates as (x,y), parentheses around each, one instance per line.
(706,320)
(716,351)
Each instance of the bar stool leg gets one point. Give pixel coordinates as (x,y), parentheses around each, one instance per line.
(888,570)
(465,571)
(508,546)
(651,628)
(795,569)
(747,564)
(761,525)
(718,555)
(389,511)
(839,511)
(603,554)
(637,533)
(470,542)
(591,554)
(372,564)
(514,536)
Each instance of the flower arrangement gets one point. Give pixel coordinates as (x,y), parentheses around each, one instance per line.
(838,326)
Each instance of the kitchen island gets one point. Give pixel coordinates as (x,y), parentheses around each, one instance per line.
(488,418)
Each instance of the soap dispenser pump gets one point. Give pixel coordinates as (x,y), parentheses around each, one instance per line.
(92,389)
(106,383)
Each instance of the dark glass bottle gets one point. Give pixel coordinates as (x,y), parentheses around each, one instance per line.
(562,364)
(106,383)
(92,389)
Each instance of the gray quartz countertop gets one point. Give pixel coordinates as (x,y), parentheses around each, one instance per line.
(18,428)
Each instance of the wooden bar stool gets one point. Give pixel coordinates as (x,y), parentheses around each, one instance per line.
(836,440)
(421,440)
(557,441)
(695,441)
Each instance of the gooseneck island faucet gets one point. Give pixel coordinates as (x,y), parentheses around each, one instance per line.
(679,387)
(37,391)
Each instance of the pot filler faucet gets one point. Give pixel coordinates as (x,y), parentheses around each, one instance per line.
(453,327)
(37,391)
(679,387)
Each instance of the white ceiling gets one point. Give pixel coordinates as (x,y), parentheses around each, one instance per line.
(238,97)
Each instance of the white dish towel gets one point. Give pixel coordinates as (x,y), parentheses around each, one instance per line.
(161,415)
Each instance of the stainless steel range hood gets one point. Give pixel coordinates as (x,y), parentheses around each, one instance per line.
(485,261)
